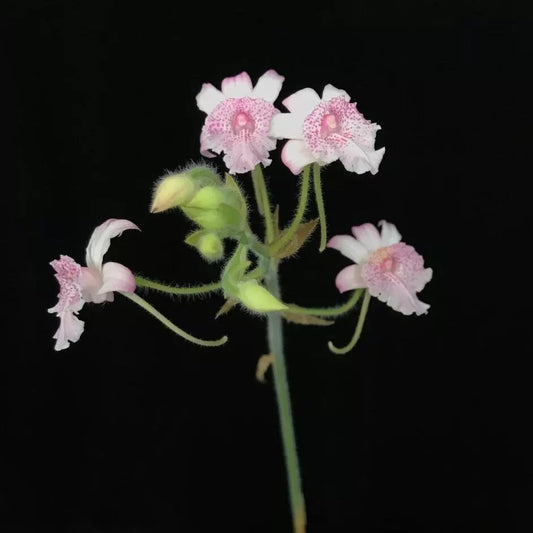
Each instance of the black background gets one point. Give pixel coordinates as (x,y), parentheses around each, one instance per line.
(424,427)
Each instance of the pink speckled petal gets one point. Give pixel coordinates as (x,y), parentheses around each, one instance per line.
(237,86)
(268,86)
(70,330)
(400,298)
(295,155)
(331,92)
(208,98)
(349,247)
(389,233)
(117,277)
(286,126)
(368,235)
(302,102)
(349,278)
(101,238)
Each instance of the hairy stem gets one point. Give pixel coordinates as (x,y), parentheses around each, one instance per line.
(275,342)
(300,211)
(317,182)
(358,328)
(165,321)
(263,202)
(174,289)
(328,311)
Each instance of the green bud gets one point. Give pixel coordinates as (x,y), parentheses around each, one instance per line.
(257,298)
(207,198)
(215,209)
(172,191)
(178,188)
(210,246)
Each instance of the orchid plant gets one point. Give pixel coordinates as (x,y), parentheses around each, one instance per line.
(243,124)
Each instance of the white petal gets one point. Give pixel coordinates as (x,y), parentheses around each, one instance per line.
(70,330)
(389,233)
(302,102)
(368,236)
(295,155)
(208,98)
(332,92)
(349,247)
(101,238)
(349,278)
(286,126)
(117,277)
(359,160)
(268,86)
(237,86)
(422,278)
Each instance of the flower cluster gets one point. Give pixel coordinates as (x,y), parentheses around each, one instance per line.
(243,123)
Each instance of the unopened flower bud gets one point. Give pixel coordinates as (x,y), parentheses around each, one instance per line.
(257,298)
(211,209)
(171,191)
(207,198)
(210,246)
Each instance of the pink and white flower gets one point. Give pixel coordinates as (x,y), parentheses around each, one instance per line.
(325,129)
(93,283)
(238,120)
(390,269)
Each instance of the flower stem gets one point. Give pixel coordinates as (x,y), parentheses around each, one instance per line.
(302,205)
(275,342)
(317,182)
(328,311)
(358,328)
(164,320)
(173,289)
(263,203)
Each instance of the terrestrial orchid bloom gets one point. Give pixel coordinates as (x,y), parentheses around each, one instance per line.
(325,129)
(94,283)
(238,120)
(390,269)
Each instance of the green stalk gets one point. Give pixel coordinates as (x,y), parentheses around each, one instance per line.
(263,203)
(165,321)
(173,289)
(275,342)
(320,206)
(302,205)
(358,329)
(328,311)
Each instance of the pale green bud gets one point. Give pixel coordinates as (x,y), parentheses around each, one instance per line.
(171,191)
(214,208)
(210,246)
(257,298)
(207,198)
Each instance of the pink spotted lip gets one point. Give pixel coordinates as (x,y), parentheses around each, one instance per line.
(239,128)
(330,128)
(238,120)
(94,283)
(391,270)
(323,130)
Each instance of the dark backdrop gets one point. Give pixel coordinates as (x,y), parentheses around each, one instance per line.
(422,428)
